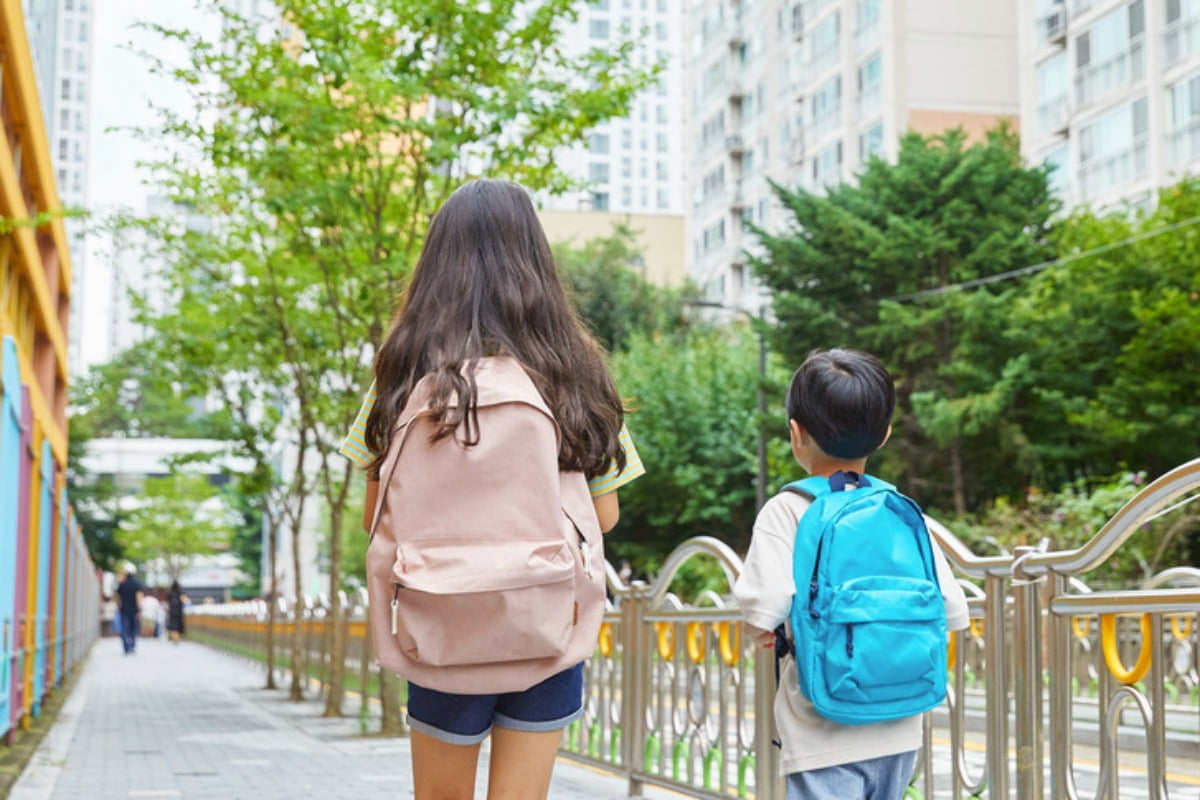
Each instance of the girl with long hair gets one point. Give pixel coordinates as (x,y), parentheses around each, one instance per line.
(486,285)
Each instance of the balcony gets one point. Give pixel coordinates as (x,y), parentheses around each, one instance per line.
(820,62)
(866,36)
(1080,6)
(1098,79)
(869,101)
(1181,39)
(736,91)
(1106,172)
(1054,113)
(1183,144)
(735,145)
(824,125)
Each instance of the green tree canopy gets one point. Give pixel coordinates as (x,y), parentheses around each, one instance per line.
(178,518)
(946,212)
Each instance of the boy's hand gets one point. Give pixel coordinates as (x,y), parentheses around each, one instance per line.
(762,639)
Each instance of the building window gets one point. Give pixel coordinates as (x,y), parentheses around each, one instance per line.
(598,144)
(79,121)
(598,172)
(64,149)
(826,107)
(626,197)
(598,29)
(660,170)
(870,142)
(83,31)
(660,114)
(1114,149)
(1183,134)
(660,31)
(826,38)
(64,119)
(661,141)
(870,86)
(1182,35)
(78,150)
(643,168)
(827,166)
(1059,177)
(1053,108)
(664,200)
(66,89)
(626,139)
(600,5)
(81,91)
(1110,53)
(626,167)
(600,201)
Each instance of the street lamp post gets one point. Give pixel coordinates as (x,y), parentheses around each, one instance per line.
(760,498)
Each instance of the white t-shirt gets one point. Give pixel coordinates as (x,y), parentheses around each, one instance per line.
(764,591)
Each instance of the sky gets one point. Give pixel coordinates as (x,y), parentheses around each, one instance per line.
(124,93)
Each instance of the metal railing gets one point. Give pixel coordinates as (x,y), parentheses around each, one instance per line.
(676,698)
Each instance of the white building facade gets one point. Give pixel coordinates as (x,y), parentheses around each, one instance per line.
(632,164)
(1111,92)
(804,93)
(60,35)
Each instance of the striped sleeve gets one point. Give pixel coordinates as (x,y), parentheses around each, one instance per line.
(614,479)
(354,446)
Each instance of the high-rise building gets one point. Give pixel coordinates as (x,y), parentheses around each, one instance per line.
(803,93)
(60,35)
(1110,91)
(633,164)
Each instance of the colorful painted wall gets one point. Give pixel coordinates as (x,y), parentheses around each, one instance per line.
(49,589)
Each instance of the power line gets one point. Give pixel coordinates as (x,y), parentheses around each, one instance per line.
(1030,270)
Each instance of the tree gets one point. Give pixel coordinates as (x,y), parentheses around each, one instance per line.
(845,270)
(614,301)
(320,153)
(693,418)
(180,517)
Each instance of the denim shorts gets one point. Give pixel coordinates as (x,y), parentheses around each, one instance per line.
(468,718)
(884,778)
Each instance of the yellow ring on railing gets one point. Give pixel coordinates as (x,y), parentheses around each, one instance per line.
(1108,640)
(666,640)
(606,639)
(952,650)
(1081,626)
(697,641)
(1178,632)
(730,638)
(977,627)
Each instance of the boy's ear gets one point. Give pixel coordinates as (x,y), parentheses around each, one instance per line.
(886,436)
(797,431)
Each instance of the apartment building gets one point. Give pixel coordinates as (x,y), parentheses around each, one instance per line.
(1110,90)
(60,36)
(633,164)
(804,93)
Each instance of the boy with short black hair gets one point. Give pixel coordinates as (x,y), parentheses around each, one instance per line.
(839,409)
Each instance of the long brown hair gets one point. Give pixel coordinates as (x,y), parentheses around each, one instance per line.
(486,284)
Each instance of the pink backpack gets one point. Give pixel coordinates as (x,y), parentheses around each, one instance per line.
(486,565)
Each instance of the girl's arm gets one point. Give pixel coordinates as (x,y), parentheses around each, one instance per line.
(369,505)
(608,510)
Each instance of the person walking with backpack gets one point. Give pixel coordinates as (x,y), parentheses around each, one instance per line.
(844,582)
(494,443)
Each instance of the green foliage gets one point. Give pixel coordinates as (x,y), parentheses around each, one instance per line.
(692,401)
(1070,517)
(945,212)
(611,297)
(179,517)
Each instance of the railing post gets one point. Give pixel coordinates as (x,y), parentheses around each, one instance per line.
(1027,681)
(1062,695)
(996,662)
(767,784)
(635,678)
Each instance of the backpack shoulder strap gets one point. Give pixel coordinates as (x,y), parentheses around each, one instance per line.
(812,488)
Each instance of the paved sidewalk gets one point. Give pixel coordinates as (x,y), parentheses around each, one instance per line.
(189,722)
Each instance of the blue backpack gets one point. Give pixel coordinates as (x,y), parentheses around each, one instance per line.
(868,616)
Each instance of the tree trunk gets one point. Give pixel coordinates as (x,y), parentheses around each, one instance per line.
(272,601)
(389,698)
(956,476)
(296,692)
(337,641)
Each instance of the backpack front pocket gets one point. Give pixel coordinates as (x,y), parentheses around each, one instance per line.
(883,639)
(463,601)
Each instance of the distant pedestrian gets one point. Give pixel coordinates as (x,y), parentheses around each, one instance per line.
(109,618)
(129,594)
(150,609)
(175,601)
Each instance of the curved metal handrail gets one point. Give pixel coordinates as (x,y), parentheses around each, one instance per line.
(698,545)
(961,556)
(1120,526)
(1176,576)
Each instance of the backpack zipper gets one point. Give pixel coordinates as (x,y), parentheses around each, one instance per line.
(395,608)
(587,557)
(850,640)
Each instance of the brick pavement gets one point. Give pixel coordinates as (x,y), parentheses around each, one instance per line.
(189,722)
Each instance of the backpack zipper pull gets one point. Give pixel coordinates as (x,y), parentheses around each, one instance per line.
(812,599)
(395,608)
(850,640)
(587,558)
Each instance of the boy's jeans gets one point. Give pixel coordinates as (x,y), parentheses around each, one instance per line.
(883,778)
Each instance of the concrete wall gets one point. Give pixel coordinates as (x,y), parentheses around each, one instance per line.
(660,237)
